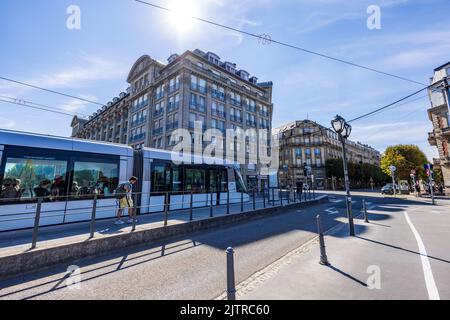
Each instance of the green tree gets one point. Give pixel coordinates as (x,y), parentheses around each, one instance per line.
(405,158)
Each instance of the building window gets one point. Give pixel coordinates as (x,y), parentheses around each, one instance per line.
(198,84)
(174,84)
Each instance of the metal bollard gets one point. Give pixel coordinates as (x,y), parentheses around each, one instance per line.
(242,202)
(211,205)
(366,218)
(281,197)
(37,218)
(231,290)
(228,201)
(94,212)
(254,199)
(166,208)
(323,253)
(191,213)
(273,197)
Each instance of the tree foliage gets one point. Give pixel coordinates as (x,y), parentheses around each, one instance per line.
(359,173)
(405,158)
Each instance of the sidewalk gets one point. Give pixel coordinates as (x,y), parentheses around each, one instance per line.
(387,245)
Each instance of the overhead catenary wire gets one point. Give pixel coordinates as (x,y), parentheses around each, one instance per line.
(37,107)
(387,106)
(28,103)
(49,90)
(270,40)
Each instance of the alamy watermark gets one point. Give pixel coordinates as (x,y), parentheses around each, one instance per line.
(73,275)
(374,280)
(374,19)
(73,22)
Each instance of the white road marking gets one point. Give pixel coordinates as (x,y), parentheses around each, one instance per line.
(433,293)
(332,210)
(336,200)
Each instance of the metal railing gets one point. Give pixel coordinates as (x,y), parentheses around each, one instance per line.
(207,204)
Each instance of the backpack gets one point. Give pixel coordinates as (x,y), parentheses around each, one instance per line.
(120,192)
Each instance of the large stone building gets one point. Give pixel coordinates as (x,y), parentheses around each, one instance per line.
(311,143)
(191,88)
(439,114)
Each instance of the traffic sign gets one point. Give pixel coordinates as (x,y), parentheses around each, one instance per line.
(393,168)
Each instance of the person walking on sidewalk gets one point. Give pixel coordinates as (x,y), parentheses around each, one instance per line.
(124,194)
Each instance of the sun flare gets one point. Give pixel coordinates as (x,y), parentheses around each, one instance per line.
(180,19)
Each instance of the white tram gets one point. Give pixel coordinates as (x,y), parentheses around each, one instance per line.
(69,172)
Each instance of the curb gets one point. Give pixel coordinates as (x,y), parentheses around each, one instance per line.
(44,258)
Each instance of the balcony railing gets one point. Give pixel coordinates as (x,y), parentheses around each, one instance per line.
(251,123)
(138,121)
(445,131)
(139,106)
(250,108)
(198,88)
(158,113)
(192,125)
(196,106)
(264,113)
(172,126)
(236,102)
(218,113)
(173,106)
(236,119)
(158,131)
(218,95)
(174,88)
(137,137)
(159,95)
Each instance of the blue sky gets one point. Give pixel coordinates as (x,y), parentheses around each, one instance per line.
(93,62)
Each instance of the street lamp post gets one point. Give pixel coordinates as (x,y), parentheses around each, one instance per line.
(343,129)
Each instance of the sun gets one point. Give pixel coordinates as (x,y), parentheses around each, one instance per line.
(180,20)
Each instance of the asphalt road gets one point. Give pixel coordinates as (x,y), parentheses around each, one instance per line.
(188,267)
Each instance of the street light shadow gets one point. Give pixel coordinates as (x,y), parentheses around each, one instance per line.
(347,275)
(400,248)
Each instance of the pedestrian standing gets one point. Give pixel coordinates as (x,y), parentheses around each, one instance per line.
(124,195)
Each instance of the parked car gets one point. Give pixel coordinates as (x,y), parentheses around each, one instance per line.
(388,189)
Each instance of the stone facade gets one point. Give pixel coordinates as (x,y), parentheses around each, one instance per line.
(439,115)
(311,143)
(193,87)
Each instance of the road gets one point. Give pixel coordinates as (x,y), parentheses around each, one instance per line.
(194,266)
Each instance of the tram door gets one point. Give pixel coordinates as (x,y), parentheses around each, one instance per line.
(218,184)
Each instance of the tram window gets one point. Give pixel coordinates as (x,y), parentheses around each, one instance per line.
(91,178)
(176,180)
(158,183)
(195,180)
(27,178)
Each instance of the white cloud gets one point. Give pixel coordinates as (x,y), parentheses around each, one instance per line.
(88,69)
(7,124)
(78,106)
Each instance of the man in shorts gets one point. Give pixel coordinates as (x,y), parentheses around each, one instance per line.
(126,202)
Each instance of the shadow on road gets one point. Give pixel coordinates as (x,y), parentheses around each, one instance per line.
(403,249)
(235,235)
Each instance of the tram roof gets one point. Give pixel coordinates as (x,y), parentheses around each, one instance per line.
(27,139)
